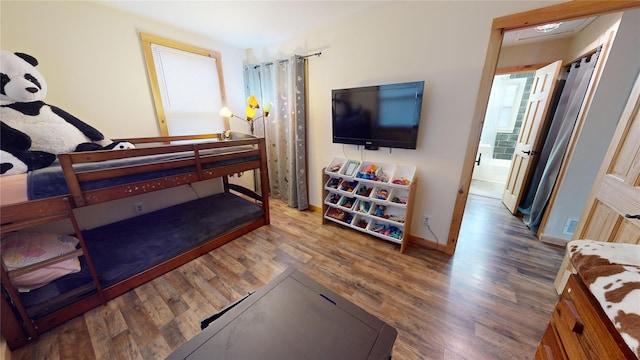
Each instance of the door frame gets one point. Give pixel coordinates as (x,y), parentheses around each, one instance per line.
(554,13)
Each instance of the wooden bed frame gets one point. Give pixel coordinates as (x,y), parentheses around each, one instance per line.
(17,326)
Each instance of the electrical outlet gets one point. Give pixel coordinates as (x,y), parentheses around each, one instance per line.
(425,219)
(139,207)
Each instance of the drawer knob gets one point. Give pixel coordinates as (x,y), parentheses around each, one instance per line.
(569,316)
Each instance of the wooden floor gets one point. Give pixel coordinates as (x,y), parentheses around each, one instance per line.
(492,300)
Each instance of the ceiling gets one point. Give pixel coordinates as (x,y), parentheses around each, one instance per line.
(529,35)
(254,24)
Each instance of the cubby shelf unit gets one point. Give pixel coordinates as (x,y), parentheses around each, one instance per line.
(377,202)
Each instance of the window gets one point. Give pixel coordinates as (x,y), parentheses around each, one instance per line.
(187,86)
(506,95)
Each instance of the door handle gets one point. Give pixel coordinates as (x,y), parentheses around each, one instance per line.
(478,161)
(530,152)
(629,216)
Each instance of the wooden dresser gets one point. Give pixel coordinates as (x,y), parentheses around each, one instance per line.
(579,329)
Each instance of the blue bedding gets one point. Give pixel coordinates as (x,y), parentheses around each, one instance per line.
(125,248)
(50,181)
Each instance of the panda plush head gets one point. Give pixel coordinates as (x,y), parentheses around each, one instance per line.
(21,81)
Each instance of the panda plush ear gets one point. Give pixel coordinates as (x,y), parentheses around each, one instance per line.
(28,58)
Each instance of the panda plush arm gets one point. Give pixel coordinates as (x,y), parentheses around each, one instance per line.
(88,130)
(13,138)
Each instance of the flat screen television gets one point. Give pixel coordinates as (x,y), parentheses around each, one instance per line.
(378,116)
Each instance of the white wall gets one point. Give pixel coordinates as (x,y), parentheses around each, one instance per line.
(443,43)
(622,68)
(536,53)
(93,62)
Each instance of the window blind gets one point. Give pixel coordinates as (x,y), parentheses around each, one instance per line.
(189,86)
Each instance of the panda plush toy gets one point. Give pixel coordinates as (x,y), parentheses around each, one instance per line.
(32,132)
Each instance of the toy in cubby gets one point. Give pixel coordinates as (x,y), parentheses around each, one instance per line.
(379,211)
(399,196)
(334,198)
(361,223)
(399,200)
(333,183)
(402,181)
(381,194)
(396,218)
(363,206)
(364,190)
(373,172)
(347,202)
(335,168)
(348,186)
(348,218)
(339,214)
(387,230)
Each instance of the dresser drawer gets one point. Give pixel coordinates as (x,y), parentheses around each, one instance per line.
(550,347)
(584,330)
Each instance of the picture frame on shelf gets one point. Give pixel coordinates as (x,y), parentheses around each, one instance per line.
(351,168)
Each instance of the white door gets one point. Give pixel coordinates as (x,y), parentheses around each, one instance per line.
(612,212)
(529,142)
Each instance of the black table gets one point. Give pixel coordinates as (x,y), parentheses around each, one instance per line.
(292,317)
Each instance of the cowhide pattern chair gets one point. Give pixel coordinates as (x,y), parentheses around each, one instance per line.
(612,273)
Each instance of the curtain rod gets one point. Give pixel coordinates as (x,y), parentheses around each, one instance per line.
(285,60)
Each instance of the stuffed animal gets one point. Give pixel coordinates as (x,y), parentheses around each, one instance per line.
(33,132)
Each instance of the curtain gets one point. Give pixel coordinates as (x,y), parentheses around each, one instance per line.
(282,83)
(557,140)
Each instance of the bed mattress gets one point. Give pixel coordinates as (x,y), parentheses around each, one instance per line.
(126,248)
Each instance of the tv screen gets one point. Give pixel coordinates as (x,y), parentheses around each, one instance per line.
(378,116)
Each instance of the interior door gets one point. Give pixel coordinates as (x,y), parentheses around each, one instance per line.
(612,211)
(544,84)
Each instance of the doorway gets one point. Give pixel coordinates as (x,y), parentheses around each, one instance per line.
(502,122)
(559,12)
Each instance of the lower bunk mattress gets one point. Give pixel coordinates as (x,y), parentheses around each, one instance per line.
(125,248)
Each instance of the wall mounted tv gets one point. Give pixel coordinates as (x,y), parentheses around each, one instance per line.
(378,116)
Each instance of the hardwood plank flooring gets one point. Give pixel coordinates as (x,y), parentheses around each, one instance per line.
(491,300)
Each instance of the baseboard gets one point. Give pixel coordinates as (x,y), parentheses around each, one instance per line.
(553,240)
(427,244)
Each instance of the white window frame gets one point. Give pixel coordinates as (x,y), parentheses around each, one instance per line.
(148,41)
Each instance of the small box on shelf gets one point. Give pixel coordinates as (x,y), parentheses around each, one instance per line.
(360,222)
(333,183)
(332,198)
(335,165)
(403,175)
(388,231)
(399,197)
(363,190)
(380,193)
(348,186)
(338,215)
(375,171)
(362,206)
(390,213)
(350,168)
(347,202)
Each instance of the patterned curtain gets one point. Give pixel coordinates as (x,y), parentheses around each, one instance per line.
(282,83)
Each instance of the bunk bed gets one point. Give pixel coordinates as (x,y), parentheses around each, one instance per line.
(114,258)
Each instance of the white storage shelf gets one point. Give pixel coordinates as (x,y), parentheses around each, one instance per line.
(369,196)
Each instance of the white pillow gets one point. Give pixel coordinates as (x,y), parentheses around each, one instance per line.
(20,249)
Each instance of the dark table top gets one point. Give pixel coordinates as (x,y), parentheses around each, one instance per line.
(292,317)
